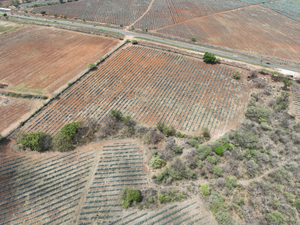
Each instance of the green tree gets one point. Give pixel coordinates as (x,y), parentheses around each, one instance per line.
(209,57)
(157,162)
(37,141)
(91,66)
(218,171)
(287,83)
(219,150)
(129,195)
(43,12)
(69,130)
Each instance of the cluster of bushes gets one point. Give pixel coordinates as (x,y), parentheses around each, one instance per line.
(70,136)
(42,4)
(173,196)
(18,95)
(129,195)
(166,130)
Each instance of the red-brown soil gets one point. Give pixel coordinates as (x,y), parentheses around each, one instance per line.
(253,29)
(151,86)
(39,59)
(13,111)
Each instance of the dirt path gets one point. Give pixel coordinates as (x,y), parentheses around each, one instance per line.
(149,7)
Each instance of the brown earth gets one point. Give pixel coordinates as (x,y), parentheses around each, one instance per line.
(253,29)
(40,60)
(13,111)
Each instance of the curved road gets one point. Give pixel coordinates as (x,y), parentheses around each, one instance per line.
(165,41)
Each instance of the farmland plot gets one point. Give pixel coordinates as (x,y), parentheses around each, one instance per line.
(11,111)
(169,12)
(117,12)
(252,29)
(41,60)
(151,86)
(83,186)
(286,8)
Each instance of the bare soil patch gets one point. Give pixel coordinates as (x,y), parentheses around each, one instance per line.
(40,60)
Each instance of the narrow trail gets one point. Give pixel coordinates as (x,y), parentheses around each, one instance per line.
(87,185)
(149,7)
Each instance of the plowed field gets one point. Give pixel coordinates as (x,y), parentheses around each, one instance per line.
(11,111)
(152,86)
(39,59)
(252,29)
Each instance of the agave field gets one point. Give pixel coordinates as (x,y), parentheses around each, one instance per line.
(113,12)
(252,29)
(48,58)
(286,8)
(80,187)
(168,12)
(151,86)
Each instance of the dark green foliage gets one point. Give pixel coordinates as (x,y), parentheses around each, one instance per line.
(187,173)
(160,177)
(193,39)
(219,150)
(211,159)
(177,149)
(204,151)
(164,199)
(255,113)
(297,204)
(69,130)
(209,57)
(37,141)
(61,143)
(280,104)
(180,135)
(228,146)
(134,42)
(117,114)
(175,174)
(43,12)
(129,195)
(166,130)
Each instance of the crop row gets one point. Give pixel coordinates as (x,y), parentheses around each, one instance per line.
(105,11)
(104,191)
(151,86)
(43,190)
(244,24)
(286,8)
(169,12)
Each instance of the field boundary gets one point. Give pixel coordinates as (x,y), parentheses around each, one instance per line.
(14,131)
(225,49)
(66,27)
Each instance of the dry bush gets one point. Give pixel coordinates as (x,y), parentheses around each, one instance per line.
(253,74)
(153,136)
(260,83)
(109,126)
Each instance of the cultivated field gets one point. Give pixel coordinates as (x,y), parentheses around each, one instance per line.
(82,187)
(169,12)
(252,29)
(12,111)
(41,60)
(151,86)
(113,12)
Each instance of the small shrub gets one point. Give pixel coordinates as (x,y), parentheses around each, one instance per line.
(218,172)
(287,83)
(194,143)
(117,114)
(236,75)
(75,17)
(205,189)
(177,149)
(206,133)
(156,162)
(83,19)
(91,66)
(134,42)
(121,25)
(4,14)
(121,38)
(204,151)
(219,150)
(228,146)
(193,39)
(55,14)
(180,135)
(211,159)
(160,177)
(150,200)
(129,195)
(69,130)
(43,12)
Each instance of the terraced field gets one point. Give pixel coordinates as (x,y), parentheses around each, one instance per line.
(168,12)
(117,12)
(252,29)
(82,187)
(47,58)
(151,86)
